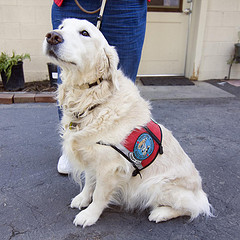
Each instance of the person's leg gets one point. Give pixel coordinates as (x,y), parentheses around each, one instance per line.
(123,25)
(69,9)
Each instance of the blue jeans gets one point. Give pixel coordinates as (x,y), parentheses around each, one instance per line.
(123,25)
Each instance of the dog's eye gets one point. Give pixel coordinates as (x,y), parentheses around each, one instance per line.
(85,33)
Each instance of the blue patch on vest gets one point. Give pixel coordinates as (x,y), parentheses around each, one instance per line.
(143,147)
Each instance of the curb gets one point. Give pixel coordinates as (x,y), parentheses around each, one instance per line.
(16,97)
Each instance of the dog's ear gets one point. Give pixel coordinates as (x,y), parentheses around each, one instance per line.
(112,58)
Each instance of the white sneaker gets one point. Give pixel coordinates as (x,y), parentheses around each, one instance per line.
(63,166)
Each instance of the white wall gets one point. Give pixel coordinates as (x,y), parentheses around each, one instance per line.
(23,25)
(221,32)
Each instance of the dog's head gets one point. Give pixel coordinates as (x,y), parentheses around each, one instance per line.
(78,46)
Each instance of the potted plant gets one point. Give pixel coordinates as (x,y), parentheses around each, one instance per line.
(11,68)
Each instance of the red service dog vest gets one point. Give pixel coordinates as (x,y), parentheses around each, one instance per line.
(141,146)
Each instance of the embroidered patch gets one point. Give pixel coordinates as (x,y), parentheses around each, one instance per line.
(143,147)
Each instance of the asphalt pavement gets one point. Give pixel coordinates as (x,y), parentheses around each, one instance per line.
(34,198)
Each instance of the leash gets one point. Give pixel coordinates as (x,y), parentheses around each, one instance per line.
(101,9)
(99,19)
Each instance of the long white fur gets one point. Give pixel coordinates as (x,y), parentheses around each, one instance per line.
(170,187)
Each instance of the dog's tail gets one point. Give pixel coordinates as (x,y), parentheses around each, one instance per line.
(202,206)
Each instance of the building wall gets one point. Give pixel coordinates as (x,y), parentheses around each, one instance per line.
(23,25)
(221,32)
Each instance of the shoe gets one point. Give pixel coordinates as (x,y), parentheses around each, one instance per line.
(63,166)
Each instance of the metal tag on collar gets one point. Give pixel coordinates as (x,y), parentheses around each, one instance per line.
(72,125)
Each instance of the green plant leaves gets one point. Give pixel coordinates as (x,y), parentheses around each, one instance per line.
(7,62)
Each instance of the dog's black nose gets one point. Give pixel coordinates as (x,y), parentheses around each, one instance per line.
(54,38)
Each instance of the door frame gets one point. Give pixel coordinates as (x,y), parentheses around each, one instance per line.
(196,28)
(196,39)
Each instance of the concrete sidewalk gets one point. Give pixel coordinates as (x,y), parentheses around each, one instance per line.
(34,198)
(199,90)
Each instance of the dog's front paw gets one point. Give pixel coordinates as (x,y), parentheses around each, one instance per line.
(85,218)
(80,201)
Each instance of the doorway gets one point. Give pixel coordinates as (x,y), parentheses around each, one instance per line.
(166,40)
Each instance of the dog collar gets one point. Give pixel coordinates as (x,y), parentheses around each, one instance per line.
(80,114)
(77,115)
(90,85)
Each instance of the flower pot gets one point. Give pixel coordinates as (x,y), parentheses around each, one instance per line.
(53,74)
(16,80)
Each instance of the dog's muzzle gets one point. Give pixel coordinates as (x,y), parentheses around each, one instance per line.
(54,38)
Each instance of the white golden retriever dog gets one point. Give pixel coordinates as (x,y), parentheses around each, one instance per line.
(101,107)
